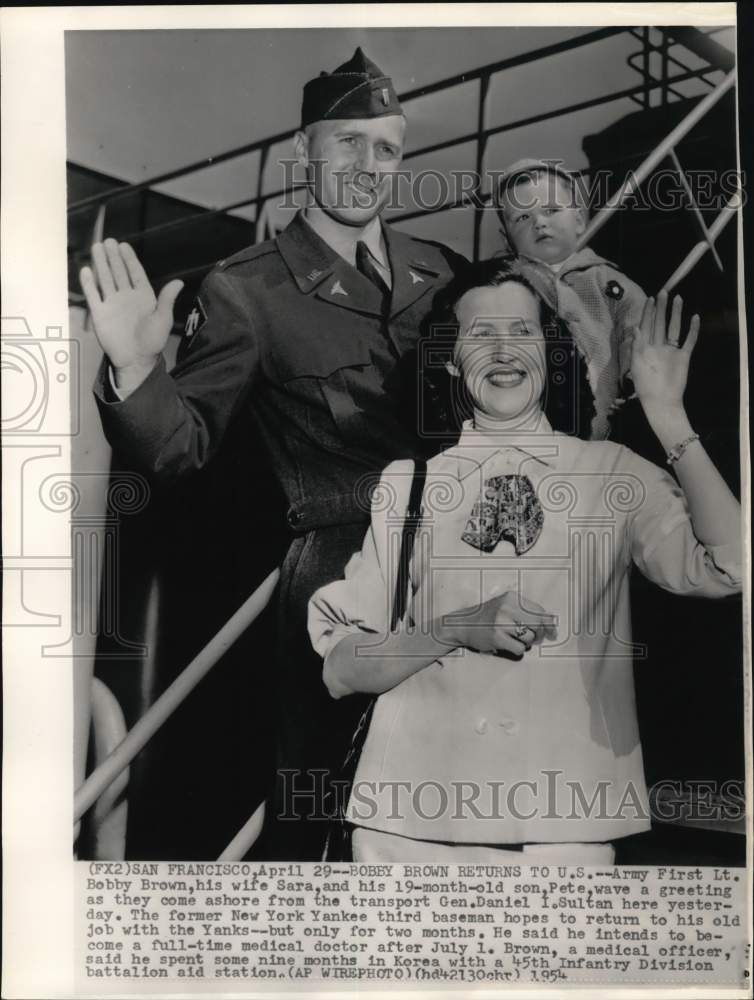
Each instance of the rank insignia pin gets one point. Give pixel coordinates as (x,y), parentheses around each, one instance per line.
(385,96)
(313,275)
(338,289)
(415,278)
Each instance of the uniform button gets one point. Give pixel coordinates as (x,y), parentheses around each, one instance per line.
(509,726)
(293,518)
(481,727)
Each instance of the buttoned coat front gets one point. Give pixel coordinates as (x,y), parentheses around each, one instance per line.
(478,748)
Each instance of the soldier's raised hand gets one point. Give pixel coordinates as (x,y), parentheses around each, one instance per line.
(131,323)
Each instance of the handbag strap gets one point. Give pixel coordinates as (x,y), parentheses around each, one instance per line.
(408,537)
(400,600)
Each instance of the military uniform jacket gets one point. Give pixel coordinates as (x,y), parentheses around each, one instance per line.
(296,338)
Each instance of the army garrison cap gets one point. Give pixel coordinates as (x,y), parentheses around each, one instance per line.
(357,89)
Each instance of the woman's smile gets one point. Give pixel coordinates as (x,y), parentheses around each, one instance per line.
(507,375)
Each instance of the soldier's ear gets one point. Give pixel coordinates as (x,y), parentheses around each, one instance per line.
(301,147)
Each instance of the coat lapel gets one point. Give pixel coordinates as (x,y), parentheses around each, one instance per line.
(317,268)
(309,259)
(347,287)
(413,275)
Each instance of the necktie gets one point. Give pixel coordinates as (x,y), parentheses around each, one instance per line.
(365,265)
(508,508)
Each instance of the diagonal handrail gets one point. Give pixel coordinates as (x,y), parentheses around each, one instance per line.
(137,738)
(635,179)
(246,837)
(703,246)
(697,211)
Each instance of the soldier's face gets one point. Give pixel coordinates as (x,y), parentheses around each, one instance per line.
(500,350)
(351,164)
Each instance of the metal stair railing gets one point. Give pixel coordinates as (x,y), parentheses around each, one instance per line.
(109,813)
(475,200)
(664,149)
(100,780)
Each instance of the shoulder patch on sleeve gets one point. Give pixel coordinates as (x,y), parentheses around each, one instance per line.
(195,319)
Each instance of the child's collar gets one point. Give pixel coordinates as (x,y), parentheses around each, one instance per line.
(579,260)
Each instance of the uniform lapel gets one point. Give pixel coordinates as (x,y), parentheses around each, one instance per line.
(317,268)
(309,259)
(413,275)
(347,287)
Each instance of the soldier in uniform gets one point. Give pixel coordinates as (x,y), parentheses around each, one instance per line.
(309,338)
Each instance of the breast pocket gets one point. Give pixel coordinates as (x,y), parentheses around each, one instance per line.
(331,379)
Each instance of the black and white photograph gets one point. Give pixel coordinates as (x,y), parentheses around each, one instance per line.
(406,386)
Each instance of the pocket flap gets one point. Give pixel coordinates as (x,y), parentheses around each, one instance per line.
(320,357)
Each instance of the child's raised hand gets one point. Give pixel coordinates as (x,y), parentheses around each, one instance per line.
(659,362)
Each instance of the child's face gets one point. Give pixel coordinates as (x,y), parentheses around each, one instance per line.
(541,218)
(500,350)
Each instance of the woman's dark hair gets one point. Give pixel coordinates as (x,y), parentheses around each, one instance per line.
(568,403)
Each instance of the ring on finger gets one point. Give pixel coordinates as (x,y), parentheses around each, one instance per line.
(520,630)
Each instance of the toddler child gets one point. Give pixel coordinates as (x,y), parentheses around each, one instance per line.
(544,218)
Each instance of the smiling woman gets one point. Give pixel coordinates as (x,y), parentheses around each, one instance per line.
(537,354)
(514,661)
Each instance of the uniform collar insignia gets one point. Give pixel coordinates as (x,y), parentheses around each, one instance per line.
(415,278)
(338,289)
(309,258)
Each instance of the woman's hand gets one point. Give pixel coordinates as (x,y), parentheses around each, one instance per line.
(659,363)
(508,623)
(488,628)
